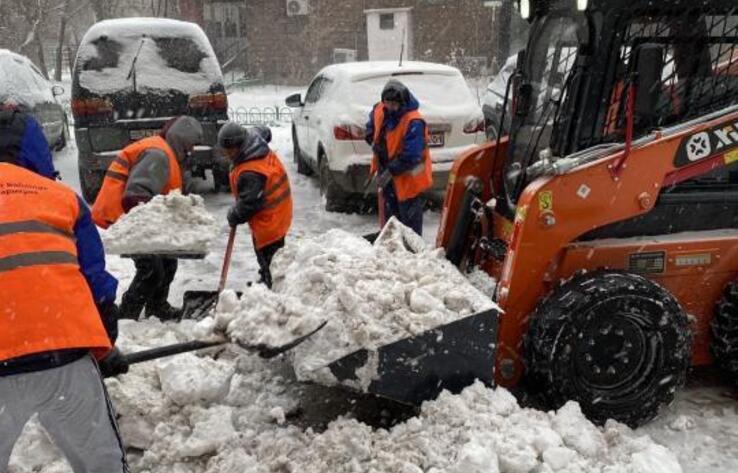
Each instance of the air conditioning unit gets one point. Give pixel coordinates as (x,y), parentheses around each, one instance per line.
(344,55)
(297,7)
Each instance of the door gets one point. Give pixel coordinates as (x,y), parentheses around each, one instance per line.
(311,116)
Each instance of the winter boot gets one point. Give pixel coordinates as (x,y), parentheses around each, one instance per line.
(163,311)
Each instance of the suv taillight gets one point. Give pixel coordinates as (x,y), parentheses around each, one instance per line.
(348,133)
(474,126)
(87,107)
(217,102)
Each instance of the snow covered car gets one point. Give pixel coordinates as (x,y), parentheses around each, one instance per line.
(130,77)
(495,96)
(329,124)
(23,85)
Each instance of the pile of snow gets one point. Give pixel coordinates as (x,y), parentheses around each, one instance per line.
(172,223)
(371,295)
(232,415)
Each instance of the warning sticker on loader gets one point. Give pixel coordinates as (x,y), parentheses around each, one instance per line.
(722,139)
(545,201)
(647,263)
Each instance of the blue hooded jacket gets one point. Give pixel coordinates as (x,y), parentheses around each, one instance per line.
(413,142)
(23,138)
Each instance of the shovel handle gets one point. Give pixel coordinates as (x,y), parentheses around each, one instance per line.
(169,350)
(227,260)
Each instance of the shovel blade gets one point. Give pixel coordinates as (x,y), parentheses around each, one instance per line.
(198,304)
(416,369)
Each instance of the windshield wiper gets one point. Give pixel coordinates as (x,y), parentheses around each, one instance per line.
(132,70)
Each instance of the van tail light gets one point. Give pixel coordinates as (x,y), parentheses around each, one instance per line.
(474,126)
(348,133)
(217,102)
(89,107)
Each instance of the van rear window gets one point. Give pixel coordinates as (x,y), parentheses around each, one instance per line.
(109,63)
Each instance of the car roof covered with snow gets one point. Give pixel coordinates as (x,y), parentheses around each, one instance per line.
(169,54)
(356,71)
(21,82)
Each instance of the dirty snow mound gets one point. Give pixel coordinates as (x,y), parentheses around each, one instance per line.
(172,223)
(248,430)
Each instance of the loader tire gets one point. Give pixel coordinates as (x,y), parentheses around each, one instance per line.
(725,333)
(615,342)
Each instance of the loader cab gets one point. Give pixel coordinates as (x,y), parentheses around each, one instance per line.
(572,82)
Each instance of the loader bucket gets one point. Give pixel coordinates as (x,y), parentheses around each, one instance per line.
(412,370)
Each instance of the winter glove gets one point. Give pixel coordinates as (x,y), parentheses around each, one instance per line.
(384,178)
(234,219)
(113,364)
(109,314)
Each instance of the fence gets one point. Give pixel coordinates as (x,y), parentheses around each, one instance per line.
(271,116)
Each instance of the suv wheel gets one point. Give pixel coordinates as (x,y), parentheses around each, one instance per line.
(336,200)
(615,342)
(302,167)
(221,179)
(90,183)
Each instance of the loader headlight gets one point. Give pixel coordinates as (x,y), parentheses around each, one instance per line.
(582,5)
(525,9)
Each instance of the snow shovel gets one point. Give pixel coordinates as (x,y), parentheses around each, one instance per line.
(197,304)
(264,351)
(416,369)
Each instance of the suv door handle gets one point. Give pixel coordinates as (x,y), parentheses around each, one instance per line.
(306,117)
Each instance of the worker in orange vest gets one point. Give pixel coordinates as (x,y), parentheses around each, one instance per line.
(142,170)
(398,135)
(261,188)
(57,318)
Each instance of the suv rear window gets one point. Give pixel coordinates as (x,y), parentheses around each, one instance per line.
(172,59)
(437,89)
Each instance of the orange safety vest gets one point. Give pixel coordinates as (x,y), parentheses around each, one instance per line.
(45,302)
(415,181)
(273,221)
(108,206)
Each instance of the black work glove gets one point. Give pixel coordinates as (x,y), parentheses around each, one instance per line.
(109,314)
(113,364)
(234,219)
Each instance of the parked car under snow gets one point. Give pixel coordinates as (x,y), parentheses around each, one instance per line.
(130,77)
(23,85)
(329,122)
(495,97)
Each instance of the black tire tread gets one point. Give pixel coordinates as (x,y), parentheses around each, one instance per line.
(724,328)
(554,314)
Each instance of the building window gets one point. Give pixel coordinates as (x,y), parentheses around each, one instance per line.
(386,21)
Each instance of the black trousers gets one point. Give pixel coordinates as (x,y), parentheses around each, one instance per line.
(264,258)
(150,286)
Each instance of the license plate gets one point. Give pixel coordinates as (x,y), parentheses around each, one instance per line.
(140,134)
(437,140)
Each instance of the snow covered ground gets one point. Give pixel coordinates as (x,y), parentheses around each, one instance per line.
(173,412)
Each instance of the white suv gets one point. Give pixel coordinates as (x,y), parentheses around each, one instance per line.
(329,123)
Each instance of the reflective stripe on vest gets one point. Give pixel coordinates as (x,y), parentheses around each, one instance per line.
(273,221)
(45,301)
(417,180)
(24,260)
(108,206)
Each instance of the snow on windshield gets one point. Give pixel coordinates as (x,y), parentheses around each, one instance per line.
(169,55)
(436,89)
(20,83)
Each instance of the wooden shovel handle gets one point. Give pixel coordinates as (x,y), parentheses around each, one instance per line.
(227,260)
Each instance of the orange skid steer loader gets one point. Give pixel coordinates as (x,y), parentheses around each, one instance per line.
(609,214)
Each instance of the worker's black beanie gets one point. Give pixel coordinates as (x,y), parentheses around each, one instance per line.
(395,91)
